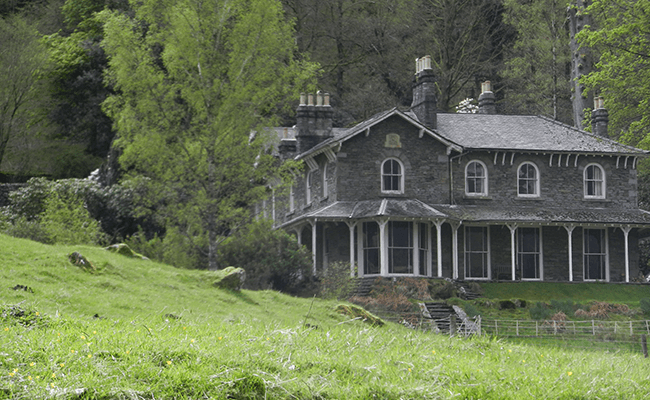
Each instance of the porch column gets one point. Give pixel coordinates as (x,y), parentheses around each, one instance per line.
(429,249)
(313,246)
(569,230)
(416,248)
(383,248)
(299,236)
(439,247)
(454,252)
(351,226)
(360,257)
(626,232)
(513,254)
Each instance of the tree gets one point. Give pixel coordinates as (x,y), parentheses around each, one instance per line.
(194,78)
(621,37)
(364,49)
(536,78)
(466,40)
(22,60)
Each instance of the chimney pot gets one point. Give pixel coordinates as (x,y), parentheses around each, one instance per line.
(487,99)
(303,99)
(599,102)
(310,99)
(599,117)
(319,98)
(326,99)
(486,87)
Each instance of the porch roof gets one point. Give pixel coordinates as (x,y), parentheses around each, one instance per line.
(418,210)
(547,216)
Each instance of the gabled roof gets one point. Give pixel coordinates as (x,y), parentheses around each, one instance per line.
(342,135)
(492,132)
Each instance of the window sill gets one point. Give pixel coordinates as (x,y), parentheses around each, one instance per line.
(528,198)
(476,197)
(596,200)
(324,199)
(392,194)
(306,207)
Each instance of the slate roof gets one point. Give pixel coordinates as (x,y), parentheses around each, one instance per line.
(546,215)
(497,132)
(523,132)
(415,209)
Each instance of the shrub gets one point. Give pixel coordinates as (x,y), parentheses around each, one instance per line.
(539,311)
(645,305)
(444,290)
(67,221)
(273,259)
(336,281)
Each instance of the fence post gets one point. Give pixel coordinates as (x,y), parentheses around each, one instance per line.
(517,327)
(647,328)
(644,346)
(631,330)
(496,328)
(554,327)
(615,326)
(536,328)
(593,328)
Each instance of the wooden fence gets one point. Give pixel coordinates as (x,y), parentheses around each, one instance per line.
(590,328)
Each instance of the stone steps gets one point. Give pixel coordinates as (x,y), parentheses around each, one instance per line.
(440,312)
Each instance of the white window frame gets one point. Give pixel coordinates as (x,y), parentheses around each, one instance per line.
(400,175)
(604,253)
(603,181)
(486,252)
(539,253)
(484,179)
(309,178)
(527,179)
(392,247)
(324,181)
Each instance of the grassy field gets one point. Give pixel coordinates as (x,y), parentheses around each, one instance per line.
(136,329)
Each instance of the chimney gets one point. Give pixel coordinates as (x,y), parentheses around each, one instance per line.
(287,147)
(313,120)
(425,103)
(487,100)
(599,118)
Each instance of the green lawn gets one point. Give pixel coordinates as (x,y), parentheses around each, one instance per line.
(165,333)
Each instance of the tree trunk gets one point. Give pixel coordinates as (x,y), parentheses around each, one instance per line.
(581,62)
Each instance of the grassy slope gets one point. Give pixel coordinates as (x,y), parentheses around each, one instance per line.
(250,345)
(578,292)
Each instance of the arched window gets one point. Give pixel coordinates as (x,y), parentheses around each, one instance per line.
(392,177)
(528,180)
(594,178)
(476,179)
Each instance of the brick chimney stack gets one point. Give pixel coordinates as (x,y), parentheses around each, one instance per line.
(313,120)
(487,100)
(425,103)
(599,117)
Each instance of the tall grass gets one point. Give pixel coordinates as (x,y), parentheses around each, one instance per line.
(164,333)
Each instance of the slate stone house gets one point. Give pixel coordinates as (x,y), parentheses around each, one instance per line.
(465,196)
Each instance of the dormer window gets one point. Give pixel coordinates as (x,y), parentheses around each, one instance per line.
(594,178)
(392,177)
(476,179)
(528,180)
